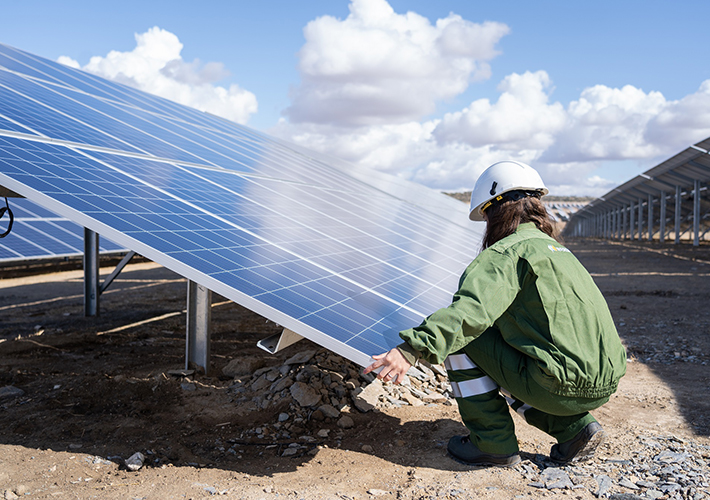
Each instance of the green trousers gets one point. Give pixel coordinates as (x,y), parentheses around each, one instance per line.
(488,375)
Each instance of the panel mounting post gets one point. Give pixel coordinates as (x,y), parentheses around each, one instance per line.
(677,214)
(662,221)
(91,273)
(199,319)
(696,213)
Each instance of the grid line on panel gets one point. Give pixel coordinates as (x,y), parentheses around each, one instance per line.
(49,122)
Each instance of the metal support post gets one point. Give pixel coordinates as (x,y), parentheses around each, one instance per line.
(677,215)
(650,217)
(662,219)
(632,222)
(199,316)
(696,213)
(640,228)
(91,273)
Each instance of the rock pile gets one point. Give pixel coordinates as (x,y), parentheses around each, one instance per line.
(315,388)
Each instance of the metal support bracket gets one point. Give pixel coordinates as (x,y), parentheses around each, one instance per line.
(92,289)
(280,341)
(199,319)
(109,279)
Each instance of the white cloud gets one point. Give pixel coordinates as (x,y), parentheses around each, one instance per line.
(682,122)
(156,66)
(608,124)
(380,67)
(520,119)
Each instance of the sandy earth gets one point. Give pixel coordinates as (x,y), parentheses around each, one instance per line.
(97,390)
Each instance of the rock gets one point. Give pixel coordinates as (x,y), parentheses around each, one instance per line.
(367,448)
(434,397)
(304,395)
(346,422)
(377,493)
(627,484)
(671,457)
(556,478)
(261,383)
(323,433)
(365,399)
(300,358)
(420,373)
(188,386)
(10,495)
(10,392)
(283,417)
(289,452)
(281,384)
(135,461)
(603,483)
(439,370)
(412,399)
(329,411)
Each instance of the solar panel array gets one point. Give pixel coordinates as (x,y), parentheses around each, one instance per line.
(342,256)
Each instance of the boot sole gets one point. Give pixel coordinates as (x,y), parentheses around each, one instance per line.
(515,461)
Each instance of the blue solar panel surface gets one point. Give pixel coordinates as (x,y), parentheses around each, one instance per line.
(37,233)
(340,255)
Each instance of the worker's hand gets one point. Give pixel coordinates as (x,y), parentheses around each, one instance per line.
(394,366)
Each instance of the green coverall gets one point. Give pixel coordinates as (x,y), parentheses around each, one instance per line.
(527,321)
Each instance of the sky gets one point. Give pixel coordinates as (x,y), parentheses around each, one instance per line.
(589,93)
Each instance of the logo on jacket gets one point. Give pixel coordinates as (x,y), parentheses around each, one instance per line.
(557,249)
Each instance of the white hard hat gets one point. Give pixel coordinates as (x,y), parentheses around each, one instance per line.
(500,178)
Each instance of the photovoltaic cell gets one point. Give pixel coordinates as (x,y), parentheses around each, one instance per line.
(340,255)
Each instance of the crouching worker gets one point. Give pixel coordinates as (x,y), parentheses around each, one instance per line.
(527,328)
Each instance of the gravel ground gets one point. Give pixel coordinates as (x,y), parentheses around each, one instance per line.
(101,408)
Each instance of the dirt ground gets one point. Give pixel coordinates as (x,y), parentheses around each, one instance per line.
(97,390)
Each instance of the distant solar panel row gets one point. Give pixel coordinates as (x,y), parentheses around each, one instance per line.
(39,234)
(332,256)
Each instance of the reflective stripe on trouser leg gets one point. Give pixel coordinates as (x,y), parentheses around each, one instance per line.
(560,427)
(483,410)
(518,406)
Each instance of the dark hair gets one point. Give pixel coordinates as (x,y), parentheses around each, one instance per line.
(502,219)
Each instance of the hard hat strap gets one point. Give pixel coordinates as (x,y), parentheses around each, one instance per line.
(515,195)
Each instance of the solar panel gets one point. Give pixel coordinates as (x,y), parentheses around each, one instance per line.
(339,255)
(37,233)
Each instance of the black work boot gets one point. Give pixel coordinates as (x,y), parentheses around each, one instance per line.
(581,447)
(463,450)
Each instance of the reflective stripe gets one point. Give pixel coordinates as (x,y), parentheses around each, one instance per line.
(523,409)
(473,387)
(511,401)
(459,362)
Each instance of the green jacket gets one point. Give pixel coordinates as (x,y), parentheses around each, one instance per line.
(544,303)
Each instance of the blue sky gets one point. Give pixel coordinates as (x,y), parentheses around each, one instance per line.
(590,93)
